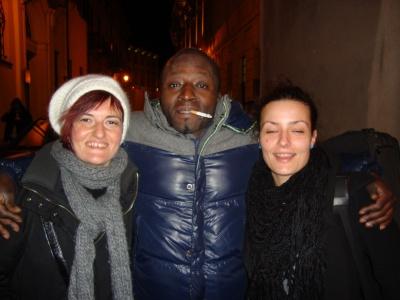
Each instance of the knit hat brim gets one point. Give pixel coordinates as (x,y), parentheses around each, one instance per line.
(73,89)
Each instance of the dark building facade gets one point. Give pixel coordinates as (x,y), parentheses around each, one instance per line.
(344,52)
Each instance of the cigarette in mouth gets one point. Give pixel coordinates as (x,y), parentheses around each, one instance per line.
(201,114)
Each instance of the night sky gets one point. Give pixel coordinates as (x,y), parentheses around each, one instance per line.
(150,23)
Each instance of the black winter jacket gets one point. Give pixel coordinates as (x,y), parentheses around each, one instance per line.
(28,269)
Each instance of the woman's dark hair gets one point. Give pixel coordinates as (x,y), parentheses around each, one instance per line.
(288,91)
(85,103)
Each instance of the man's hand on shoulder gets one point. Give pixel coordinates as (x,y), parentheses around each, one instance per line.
(9,212)
(380,213)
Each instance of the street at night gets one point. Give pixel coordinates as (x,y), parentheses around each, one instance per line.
(199,149)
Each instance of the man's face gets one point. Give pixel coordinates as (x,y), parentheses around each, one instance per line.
(188,85)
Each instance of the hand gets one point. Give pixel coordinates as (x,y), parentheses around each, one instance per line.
(9,212)
(381,212)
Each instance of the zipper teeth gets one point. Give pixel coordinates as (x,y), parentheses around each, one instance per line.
(240,130)
(211,135)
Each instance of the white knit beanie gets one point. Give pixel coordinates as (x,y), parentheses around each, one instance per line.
(72,90)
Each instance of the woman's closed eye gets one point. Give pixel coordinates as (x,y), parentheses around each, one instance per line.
(271,131)
(299,131)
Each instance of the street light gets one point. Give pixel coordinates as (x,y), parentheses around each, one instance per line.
(125,77)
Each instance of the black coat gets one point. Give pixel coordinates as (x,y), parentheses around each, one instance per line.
(28,269)
(379,250)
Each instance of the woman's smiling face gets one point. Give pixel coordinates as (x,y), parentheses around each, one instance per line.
(286,137)
(96,134)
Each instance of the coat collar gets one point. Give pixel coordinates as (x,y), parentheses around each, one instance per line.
(228,110)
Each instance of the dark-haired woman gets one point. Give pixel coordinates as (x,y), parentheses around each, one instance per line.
(296,246)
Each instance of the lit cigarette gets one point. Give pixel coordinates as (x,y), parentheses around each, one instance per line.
(201,114)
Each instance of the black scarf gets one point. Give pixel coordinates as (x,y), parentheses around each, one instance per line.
(285,251)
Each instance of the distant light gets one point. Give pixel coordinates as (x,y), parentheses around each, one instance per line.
(156,89)
(155,56)
(125,78)
(27,76)
(143,52)
(137,50)
(133,87)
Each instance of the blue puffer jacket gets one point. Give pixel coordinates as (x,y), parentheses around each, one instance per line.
(190,210)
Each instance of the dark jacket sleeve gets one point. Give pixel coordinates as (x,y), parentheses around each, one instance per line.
(381,247)
(11,253)
(15,168)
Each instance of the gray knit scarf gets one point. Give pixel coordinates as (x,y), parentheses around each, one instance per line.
(99,215)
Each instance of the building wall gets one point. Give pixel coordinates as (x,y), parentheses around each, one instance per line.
(39,47)
(7,72)
(235,46)
(143,68)
(108,32)
(12,65)
(78,43)
(384,82)
(32,51)
(49,45)
(339,52)
(345,53)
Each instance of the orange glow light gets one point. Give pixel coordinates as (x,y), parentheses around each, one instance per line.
(125,78)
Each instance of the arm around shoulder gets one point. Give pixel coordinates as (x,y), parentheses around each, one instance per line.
(11,252)
(381,246)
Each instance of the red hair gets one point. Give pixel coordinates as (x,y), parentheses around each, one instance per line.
(85,103)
